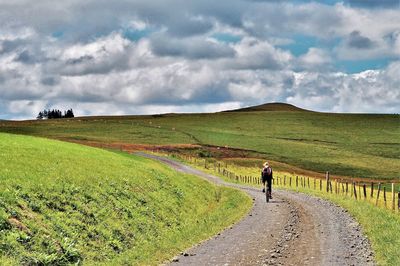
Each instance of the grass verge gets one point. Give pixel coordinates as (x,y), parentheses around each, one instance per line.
(63,203)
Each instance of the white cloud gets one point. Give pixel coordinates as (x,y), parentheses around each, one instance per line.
(77,54)
(315,57)
(252,53)
(367,91)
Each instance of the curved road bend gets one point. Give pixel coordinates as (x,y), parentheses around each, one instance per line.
(293,229)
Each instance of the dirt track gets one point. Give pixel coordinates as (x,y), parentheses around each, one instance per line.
(293,229)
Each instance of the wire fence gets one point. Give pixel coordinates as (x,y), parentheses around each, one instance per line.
(381,194)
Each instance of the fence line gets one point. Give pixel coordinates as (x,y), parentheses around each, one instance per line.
(358,191)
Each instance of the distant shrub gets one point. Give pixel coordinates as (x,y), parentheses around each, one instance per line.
(204,154)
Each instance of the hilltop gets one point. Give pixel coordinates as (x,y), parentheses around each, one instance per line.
(270,107)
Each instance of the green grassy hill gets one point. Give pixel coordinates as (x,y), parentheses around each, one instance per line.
(62,203)
(359,145)
(270,107)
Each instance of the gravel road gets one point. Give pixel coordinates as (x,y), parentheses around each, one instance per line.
(293,229)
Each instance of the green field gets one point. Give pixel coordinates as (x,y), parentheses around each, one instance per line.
(63,203)
(354,145)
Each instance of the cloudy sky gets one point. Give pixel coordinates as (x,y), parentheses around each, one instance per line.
(141,56)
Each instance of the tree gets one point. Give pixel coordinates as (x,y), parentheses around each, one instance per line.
(40,116)
(69,113)
(55,114)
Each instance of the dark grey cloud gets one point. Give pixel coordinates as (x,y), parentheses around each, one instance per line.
(192,48)
(356,40)
(80,60)
(192,26)
(25,57)
(50,81)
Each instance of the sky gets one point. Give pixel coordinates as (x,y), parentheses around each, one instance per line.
(104,57)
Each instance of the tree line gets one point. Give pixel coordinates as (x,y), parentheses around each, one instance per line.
(54,114)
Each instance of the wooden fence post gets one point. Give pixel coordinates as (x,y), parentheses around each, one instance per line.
(384,196)
(393,198)
(327,181)
(398,201)
(372,189)
(284,180)
(365,191)
(347,187)
(320,184)
(355,190)
(290,181)
(377,196)
(308,182)
(297,181)
(315,183)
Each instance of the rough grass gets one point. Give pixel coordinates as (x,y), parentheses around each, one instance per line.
(357,145)
(63,203)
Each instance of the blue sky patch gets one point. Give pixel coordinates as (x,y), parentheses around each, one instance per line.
(300,44)
(57,34)
(135,35)
(353,66)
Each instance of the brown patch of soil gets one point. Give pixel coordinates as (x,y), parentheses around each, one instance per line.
(19,225)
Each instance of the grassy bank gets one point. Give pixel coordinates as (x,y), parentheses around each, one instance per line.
(64,203)
(359,145)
